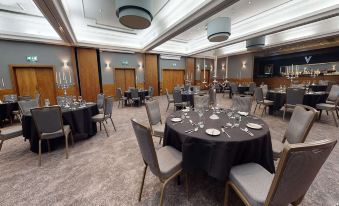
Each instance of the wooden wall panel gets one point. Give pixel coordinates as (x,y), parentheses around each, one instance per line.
(190,67)
(88,73)
(109,89)
(73,90)
(129,78)
(151,72)
(6,92)
(47,90)
(171,78)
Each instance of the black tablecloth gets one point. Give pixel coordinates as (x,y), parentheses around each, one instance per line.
(188,97)
(241,90)
(279,98)
(6,110)
(142,94)
(216,155)
(79,120)
(318,88)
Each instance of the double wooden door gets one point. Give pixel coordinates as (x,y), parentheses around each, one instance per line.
(124,78)
(33,80)
(172,78)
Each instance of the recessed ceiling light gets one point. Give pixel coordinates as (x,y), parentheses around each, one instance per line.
(249,2)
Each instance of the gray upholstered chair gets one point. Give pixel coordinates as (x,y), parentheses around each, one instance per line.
(165,163)
(49,124)
(121,99)
(187,87)
(201,101)
(329,107)
(298,128)
(9,133)
(60,100)
(251,89)
(298,167)
(177,97)
(169,99)
(10,97)
(154,118)
(150,93)
(213,96)
(333,94)
(234,88)
(24,98)
(259,98)
(100,102)
(26,106)
(294,96)
(244,103)
(196,89)
(264,90)
(135,96)
(107,114)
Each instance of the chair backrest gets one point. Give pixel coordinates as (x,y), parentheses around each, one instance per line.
(201,101)
(295,96)
(10,97)
(118,93)
(264,89)
(47,119)
(22,98)
(134,93)
(100,100)
(26,106)
(243,103)
(258,93)
(334,93)
(253,85)
(187,87)
(145,142)
(234,87)
(37,97)
(167,94)
(130,88)
(177,96)
(329,86)
(150,91)
(196,89)
(212,95)
(60,100)
(300,124)
(108,105)
(297,168)
(153,112)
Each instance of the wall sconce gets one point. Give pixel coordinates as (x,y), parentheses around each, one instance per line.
(198,67)
(65,65)
(140,66)
(212,68)
(108,66)
(223,66)
(244,64)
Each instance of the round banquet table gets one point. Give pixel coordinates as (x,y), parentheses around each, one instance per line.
(279,98)
(188,97)
(6,110)
(318,87)
(80,121)
(142,94)
(217,154)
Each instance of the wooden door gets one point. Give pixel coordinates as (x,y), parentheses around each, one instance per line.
(46,85)
(151,72)
(129,78)
(120,79)
(172,78)
(26,80)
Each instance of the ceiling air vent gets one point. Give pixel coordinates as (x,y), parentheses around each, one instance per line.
(134,14)
(219,29)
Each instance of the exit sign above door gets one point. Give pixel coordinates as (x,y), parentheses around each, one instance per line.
(31,58)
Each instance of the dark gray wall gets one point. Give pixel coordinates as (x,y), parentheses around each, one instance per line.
(13,52)
(115,59)
(235,66)
(171,64)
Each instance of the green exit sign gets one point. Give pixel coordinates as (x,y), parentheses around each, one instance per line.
(31,58)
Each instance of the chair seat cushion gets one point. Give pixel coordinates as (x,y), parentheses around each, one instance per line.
(324,106)
(15,112)
(98,118)
(169,160)
(11,132)
(277,147)
(158,130)
(253,181)
(56,134)
(268,102)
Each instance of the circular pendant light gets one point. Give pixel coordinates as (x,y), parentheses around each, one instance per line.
(219,29)
(256,43)
(134,14)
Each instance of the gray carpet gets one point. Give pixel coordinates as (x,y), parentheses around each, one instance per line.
(107,170)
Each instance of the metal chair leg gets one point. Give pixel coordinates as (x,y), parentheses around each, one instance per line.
(2,141)
(262,114)
(100,126)
(113,123)
(255,108)
(284,113)
(227,190)
(142,183)
(167,106)
(66,142)
(163,185)
(49,146)
(335,120)
(39,152)
(72,138)
(105,129)
(321,111)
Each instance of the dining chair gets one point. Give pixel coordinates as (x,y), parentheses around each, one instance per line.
(26,106)
(294,96)
(264,90)
(165,163)
(10,98)
(234,89)
(121,99)
(187,87)
(107,114)
(212,96)
(9,133)
(169,99)
(196,89)
(329,86)
(333,94)
(300,124)
(23,98)
(100,102)
(177,97)
(251,89)
(244,103)
(330,107)
(49,125)
(154,119)
(135,96)
(298,167)
(150,93)
(259,98)
(201,101)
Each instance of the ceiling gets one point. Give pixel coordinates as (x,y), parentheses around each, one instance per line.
(178,27)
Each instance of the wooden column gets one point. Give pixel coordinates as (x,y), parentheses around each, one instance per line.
(151,72)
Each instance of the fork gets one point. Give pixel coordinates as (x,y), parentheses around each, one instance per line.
(222,129)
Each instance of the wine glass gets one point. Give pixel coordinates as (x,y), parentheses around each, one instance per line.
(74,99)
(79,98)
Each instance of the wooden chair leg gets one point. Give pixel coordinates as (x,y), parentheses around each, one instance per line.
(105,129)
(2,141)
(142,183)
(334,118)
(39,152)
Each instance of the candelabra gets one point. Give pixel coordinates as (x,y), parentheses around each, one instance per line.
(314,74)
(64,86)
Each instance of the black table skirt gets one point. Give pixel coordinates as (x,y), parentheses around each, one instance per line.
(79,120)
(318,88)
(217,155)
(241,90)
(188,98)
(141,94)
(6,111)
(280,99)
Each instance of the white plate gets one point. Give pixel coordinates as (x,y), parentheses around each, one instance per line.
(185,110)
(254,126)
(176,119)
(212,132)
(243,113)
(214,117)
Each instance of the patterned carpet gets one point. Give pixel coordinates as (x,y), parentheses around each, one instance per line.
(107,170)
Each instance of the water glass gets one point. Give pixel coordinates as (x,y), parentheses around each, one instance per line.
(201,124)
(237,120)
(47,102)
